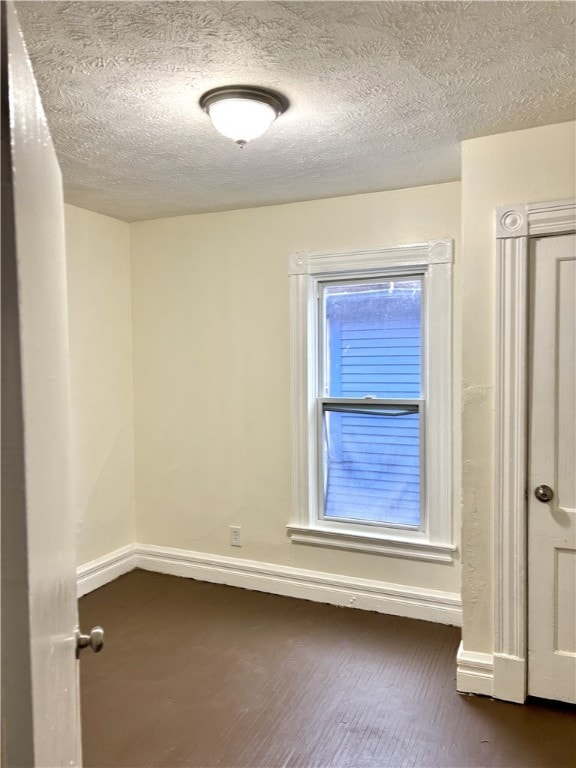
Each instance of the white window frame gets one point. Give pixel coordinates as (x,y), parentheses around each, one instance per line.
(433,261)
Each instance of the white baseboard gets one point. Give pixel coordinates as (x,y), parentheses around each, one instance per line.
(510,681)
(412,602)
(318,586)
(475,672)
(104,569)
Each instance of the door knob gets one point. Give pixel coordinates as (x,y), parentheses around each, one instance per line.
(544,493)
(94,640)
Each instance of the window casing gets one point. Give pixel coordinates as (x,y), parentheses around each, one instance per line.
(415,521)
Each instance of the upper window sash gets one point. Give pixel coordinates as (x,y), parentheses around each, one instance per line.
(327,350)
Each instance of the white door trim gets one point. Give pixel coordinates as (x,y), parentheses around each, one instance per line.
(515,225)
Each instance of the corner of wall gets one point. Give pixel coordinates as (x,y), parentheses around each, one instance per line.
(100,332)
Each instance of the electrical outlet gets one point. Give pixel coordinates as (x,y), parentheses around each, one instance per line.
(235,536)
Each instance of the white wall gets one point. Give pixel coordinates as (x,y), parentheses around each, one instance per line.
(212,374)
(98,267)
(529,166)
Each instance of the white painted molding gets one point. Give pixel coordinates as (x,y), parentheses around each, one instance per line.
(510,678)
(536,219)
(298,263)
(303,381)
(438,435)
(104,569)
(433,261)
(511,447)
(511,221)
(366,594)
(382,597)
(514,227)
(475,672)
(440,251)
(551,218)
(379,545)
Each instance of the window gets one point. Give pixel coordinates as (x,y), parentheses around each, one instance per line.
(371,359)
(370,404)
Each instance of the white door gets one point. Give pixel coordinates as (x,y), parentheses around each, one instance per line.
(552,471)
(39,610)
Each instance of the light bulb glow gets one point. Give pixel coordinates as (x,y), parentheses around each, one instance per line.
(242,112)
(241,119)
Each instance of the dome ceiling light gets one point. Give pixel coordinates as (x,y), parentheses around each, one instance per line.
(242,113)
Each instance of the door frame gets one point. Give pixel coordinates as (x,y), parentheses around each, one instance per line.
(515,226)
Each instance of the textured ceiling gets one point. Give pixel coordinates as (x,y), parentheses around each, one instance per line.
(381,94)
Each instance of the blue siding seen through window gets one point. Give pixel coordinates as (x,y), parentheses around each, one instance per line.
(372,467)
(372,457)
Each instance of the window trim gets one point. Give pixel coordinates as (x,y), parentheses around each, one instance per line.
(433,259)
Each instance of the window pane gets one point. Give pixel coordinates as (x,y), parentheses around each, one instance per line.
(372,465)
(373,339)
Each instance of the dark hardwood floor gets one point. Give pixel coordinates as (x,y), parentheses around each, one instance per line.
(201,675)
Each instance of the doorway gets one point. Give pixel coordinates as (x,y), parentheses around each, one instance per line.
(552,469)
(520,232)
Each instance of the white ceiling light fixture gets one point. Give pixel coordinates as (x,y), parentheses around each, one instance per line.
(242,113)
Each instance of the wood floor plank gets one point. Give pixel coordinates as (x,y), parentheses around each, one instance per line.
(206,676)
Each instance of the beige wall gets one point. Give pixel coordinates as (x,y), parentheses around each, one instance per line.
(98,265)
(529,166)
(212,371)
(211,364)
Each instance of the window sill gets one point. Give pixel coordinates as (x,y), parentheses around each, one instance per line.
(379,545)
